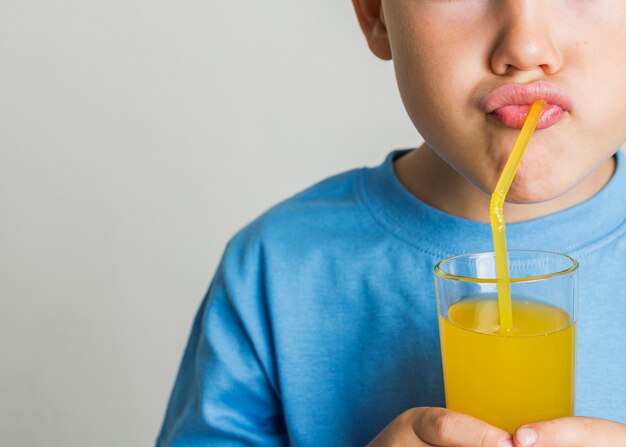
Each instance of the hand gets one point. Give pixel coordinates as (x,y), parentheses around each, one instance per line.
(429,426)
(571,432)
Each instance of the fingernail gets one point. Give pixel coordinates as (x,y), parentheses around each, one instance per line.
(506,443)
(525,436)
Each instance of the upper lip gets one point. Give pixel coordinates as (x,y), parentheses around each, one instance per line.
(523,94)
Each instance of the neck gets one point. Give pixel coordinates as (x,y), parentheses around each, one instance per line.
(435,182)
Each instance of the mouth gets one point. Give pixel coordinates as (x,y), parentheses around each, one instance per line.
(509,104)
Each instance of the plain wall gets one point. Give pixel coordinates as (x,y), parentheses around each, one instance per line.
(136,137)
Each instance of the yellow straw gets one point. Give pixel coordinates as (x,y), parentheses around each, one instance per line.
(496,213)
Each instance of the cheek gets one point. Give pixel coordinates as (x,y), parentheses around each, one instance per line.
(435,91)
(600,98)
(595,62)
(448,13)
(435,63)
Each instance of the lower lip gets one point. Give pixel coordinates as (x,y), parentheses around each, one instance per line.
(513,116)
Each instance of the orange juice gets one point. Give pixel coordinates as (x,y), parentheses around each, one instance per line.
(508,378)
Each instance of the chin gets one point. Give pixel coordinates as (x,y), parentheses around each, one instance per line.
(535,182)
(531,192)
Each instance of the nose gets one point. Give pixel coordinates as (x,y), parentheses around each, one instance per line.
(526,40)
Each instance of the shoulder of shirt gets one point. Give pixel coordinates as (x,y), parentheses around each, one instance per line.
(321,209)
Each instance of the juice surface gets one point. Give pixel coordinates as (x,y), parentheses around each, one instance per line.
(508,378)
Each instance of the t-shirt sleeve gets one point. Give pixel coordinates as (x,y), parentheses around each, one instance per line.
(226,392)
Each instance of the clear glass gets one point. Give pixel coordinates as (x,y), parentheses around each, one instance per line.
(508,377)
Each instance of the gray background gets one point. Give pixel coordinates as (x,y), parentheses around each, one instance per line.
(136,136)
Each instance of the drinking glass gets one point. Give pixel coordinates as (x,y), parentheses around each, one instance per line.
(508,376)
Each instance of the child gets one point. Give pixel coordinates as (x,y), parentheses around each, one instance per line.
(320,326)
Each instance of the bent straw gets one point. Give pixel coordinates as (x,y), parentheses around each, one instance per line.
(496,213)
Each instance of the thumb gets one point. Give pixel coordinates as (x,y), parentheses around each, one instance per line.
(571,432)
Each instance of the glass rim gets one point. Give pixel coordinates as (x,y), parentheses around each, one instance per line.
(440,273)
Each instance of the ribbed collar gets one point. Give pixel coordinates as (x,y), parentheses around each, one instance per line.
(573,230)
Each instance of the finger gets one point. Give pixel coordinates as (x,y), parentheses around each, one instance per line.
(571,432)
(442,427)
(398,433)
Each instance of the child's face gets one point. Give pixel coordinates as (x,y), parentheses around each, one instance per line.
(450,55)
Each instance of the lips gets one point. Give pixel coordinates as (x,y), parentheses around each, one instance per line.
(510,103)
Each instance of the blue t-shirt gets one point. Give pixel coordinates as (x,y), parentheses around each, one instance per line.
(320,325)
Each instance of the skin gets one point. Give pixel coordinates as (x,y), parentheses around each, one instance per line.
(448,55)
